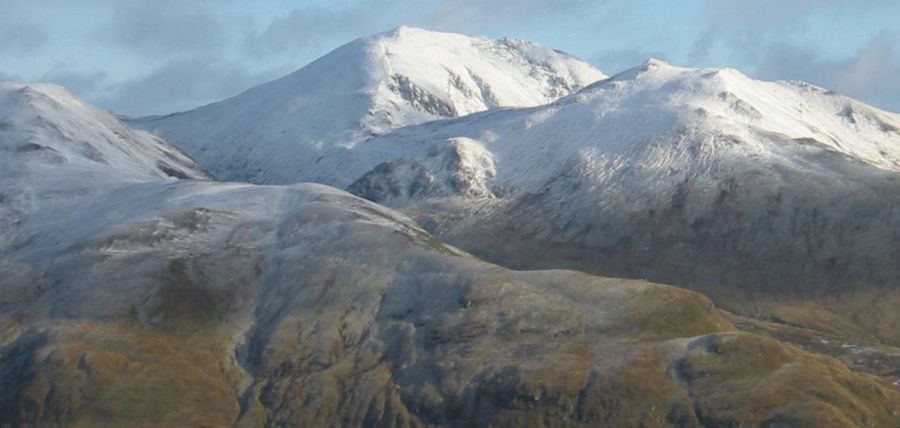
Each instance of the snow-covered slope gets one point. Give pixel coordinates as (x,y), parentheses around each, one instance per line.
(289,130)
(705,178)
(55,148)
(667,120)
(44,128)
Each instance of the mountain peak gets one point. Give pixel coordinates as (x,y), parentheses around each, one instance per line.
(35,91)
(654,63)
(281,131)
(422,38)
(649,66)
(407,31)
(401,29)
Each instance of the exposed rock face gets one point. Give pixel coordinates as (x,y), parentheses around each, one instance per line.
(456,167)
(215,304)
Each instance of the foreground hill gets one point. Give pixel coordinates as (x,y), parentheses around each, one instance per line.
(290,130)
(161,302)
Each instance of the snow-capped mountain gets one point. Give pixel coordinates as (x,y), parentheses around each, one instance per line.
(290,129)
(128,297)
(697,177)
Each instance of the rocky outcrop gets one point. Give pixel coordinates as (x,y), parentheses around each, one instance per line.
(457,167)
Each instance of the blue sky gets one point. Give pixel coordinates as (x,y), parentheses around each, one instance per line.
(143,57)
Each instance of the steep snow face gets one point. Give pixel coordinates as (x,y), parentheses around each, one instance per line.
(55,148)
(289,129)
(680,175)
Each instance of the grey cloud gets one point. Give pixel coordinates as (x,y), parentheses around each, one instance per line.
(754,36)
(746,25)
(180,85)
(478,13)
(775,13)
(5,76)
(872,74)
(18,33)
(749,27)
(164,27)
(80,83)
(311,25)
(20,37)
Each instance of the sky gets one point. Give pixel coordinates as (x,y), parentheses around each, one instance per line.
(141,57)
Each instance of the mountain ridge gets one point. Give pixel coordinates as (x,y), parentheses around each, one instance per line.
(702,178)
(275,132)
(692,99)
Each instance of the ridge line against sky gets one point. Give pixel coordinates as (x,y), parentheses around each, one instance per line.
(137,57)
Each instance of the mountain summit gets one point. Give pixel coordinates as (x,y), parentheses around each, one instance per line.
(279,132)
